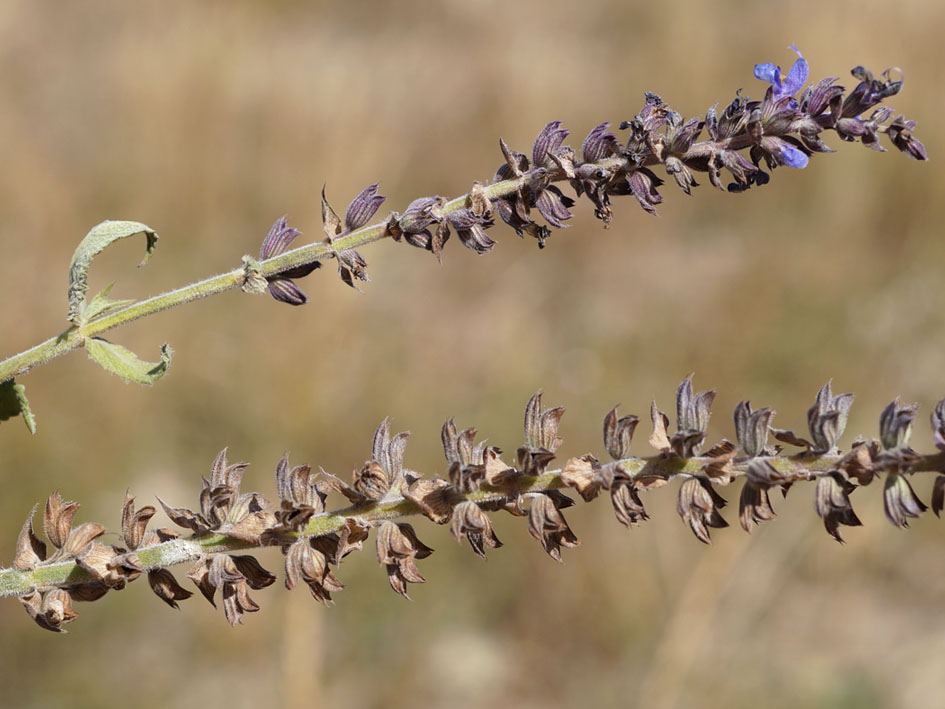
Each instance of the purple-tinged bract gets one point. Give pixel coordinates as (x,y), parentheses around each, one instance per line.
(281,286)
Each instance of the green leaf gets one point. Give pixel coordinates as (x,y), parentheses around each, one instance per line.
(13,403)
(101,304)
(91,246)
(125,363)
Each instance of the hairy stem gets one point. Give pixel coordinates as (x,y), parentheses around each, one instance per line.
(75,336)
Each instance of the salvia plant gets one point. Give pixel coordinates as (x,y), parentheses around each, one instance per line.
(746,140)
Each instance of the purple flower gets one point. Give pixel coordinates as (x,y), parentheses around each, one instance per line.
(281,286)
(780,151)
(784,85)
(792,157)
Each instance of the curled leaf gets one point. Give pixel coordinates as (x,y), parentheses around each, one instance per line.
(125,363)
(96,241)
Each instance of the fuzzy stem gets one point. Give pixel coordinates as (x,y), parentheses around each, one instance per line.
(74,337)
(803,467)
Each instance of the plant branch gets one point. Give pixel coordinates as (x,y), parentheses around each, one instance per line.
(777,131)
(804,467)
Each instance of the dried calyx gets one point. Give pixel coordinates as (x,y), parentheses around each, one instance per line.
(477,483)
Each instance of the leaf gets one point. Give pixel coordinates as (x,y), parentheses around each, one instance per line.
(96,241)
(125,363)
(101,304)
(13,403)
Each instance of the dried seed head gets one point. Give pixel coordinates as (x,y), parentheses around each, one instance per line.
(165,587)
(827,418)
(397,549)
(338,545)
(900,501)
(50,610)
(618,433)
(57,519)
(389,453)
(301,495)
(698,504)
(751,428)
(754,505)
(134,523)
(548,526)
(298,486)
(627,504)
(468,519)
(895,424)
(33,604)
(233,576)
(541,436)
(832,503)
(304,563)
(470,465)
(371,481)
(692,418)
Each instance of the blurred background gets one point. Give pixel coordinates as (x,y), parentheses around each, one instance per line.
(208,121)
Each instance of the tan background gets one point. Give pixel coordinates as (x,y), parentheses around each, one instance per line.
(207,121)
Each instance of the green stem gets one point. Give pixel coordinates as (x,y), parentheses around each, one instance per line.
(75,336)
(803,467)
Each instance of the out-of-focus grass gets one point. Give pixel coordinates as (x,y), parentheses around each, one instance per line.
(207,121)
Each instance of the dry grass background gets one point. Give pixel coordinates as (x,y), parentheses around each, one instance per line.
(207,121)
